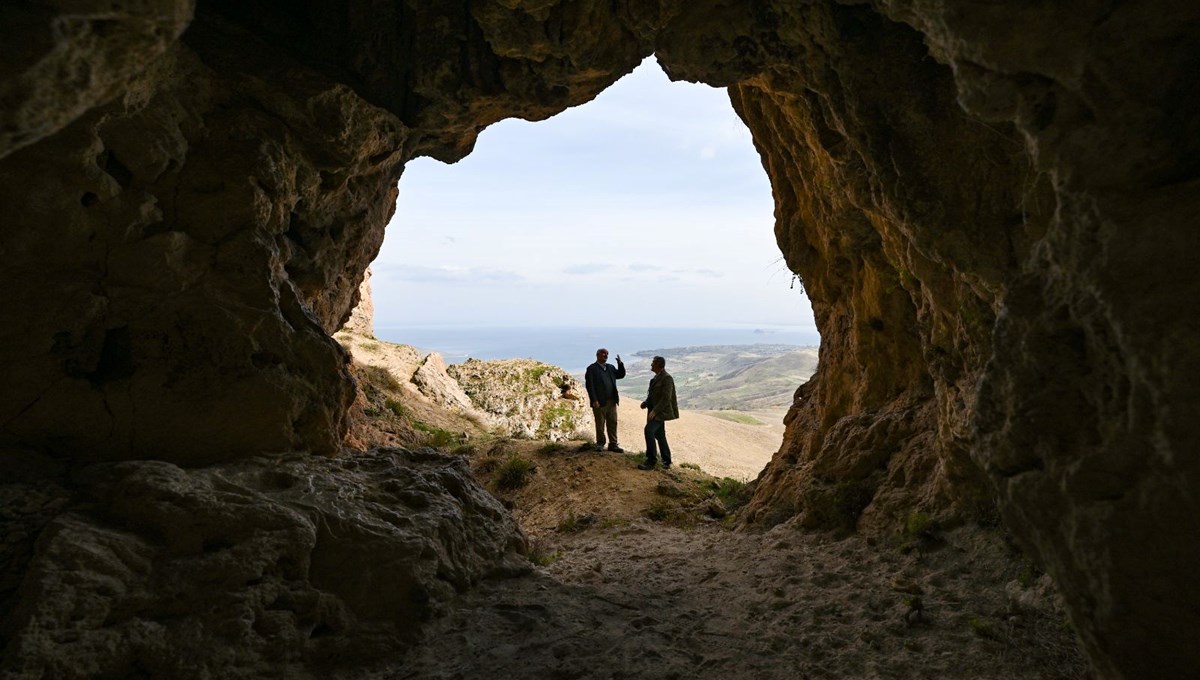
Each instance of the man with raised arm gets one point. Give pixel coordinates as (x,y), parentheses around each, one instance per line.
(601,382)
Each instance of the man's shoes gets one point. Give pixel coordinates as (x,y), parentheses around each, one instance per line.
(616,449)
(646,466)
(599,448)
(666,466)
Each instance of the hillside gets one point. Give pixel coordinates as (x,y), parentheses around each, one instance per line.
(644,567)
(733,377)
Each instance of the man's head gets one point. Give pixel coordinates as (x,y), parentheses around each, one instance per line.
(602,355)
(657,364)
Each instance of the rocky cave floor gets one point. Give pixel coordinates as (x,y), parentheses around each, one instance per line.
(622,595)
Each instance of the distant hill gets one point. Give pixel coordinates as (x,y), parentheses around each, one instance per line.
(739,377)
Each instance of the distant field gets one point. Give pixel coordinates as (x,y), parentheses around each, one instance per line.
(734,377)
(737,417)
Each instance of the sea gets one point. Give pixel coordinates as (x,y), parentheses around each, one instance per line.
(574,348)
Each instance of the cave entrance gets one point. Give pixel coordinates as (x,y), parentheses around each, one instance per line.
(641,222)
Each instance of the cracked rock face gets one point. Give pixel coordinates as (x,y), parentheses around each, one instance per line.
(522,397)
(989,206)
(263,567)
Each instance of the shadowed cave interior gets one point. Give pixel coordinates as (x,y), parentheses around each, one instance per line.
(990,208)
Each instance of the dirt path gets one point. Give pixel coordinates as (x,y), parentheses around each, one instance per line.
(642,580)
(653,601)
(624,596)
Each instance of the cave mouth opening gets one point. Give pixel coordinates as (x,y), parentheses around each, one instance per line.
(640,221)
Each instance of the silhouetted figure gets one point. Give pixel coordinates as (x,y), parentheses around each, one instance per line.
(660,399)
(601,382)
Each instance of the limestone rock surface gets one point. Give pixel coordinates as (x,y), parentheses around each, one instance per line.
(265,567)
(523,397)
(362,317)
(433,379)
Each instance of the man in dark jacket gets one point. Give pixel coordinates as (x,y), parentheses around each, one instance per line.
(601,382)
(663,406)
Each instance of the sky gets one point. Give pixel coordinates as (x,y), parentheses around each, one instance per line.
(646,207)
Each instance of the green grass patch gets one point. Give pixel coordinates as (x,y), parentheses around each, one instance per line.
(514,472)
(535,374)
(659,511)
(435,436)
(733,493)
(557,416)
(738,417)
(543,557)
(552,447)
(691,466)
(572,522)
(637,457)
(370,346)
(918,524)
(395,407)
(919,530)
(983,628)
(1029,574)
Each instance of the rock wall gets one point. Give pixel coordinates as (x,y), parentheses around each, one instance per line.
(265,567)
(988,204)
(362,316)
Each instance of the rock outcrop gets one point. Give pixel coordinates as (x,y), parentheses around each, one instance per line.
(434,381)
(523,398)
(989,205)
(264,567)
(362,316)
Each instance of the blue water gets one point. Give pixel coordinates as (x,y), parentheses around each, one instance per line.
(575,348)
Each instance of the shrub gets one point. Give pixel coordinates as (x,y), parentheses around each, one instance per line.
(918,524)
(552,447)
(659,511)
(514,472)
(395,407)
(691,466)
(435,436)
(983,629)
(572,523)
(919,529)
(541,555)
(733,493)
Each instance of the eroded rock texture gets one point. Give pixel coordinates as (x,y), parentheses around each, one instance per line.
(262,567)
(989,204)
(522,397)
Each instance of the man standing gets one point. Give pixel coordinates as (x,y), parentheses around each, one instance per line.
(663,407)
(601,382)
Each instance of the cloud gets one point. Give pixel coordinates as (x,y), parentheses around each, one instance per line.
(451,275)
(642,267)
(710,273)
(587,268)
(708,152)
(495,275)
